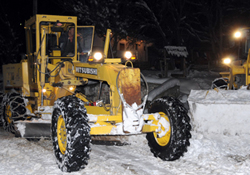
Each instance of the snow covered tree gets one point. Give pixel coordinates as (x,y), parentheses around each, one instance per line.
(103,14)
(166,22)
(211,20)
(160,21)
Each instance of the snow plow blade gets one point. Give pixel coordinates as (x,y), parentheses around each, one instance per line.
(220,111)
(34,129)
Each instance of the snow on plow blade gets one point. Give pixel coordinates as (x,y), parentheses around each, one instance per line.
(224,112)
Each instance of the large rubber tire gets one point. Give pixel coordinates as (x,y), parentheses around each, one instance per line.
(70,134)
(175,142)
(220,83)
(13,109)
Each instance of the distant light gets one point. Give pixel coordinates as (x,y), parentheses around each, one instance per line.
(44,90)
(21,24)
(237,34)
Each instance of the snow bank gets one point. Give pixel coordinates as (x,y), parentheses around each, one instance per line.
(223,112)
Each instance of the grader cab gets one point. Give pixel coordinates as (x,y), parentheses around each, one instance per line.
(46,96)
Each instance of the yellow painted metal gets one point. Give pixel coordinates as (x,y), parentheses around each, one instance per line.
(49,96)
(237,69)
(106,73)
(105,118)
(56,53)
(96,110)
(43,57)
(106,47)
(29,107)
(102,128)
(8,113)
(149,127)
(113,60)
(66,71)
(61,134)
(25,76)
(163,141)
(61,92)
(81,96)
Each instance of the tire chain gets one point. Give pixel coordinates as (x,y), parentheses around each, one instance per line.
(17,109)
(17,104)
(78,134)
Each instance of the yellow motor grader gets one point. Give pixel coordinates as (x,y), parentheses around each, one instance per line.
(237,76)
(239,69)
(214,111)
(45,95)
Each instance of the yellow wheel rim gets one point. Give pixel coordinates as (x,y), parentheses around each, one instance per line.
(163,141)
(61,134)
(8,113)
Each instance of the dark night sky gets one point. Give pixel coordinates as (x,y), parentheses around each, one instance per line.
(16,12)
(19,11)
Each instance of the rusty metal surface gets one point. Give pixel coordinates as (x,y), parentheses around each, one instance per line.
(131,85)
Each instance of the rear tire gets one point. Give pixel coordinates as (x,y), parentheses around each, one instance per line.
(13,109)
(175,142)
(70,134)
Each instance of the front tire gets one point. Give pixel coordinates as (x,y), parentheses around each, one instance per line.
(175,142)
(70,134)
(220,83)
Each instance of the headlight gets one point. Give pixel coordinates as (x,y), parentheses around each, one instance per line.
(227,61)
(128,55)
(71,88)
(98,56)
(237,34)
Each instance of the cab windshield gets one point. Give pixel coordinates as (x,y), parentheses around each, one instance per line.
(59,38)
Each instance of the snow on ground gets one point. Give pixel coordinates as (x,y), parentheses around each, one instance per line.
(208,153)
(224,155)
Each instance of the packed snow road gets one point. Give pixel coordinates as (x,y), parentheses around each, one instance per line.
(223,155)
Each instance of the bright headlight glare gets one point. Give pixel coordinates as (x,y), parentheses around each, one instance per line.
(98,56)
(237,34)
(128,55)
(71,88)
(227,61)
(44,90)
